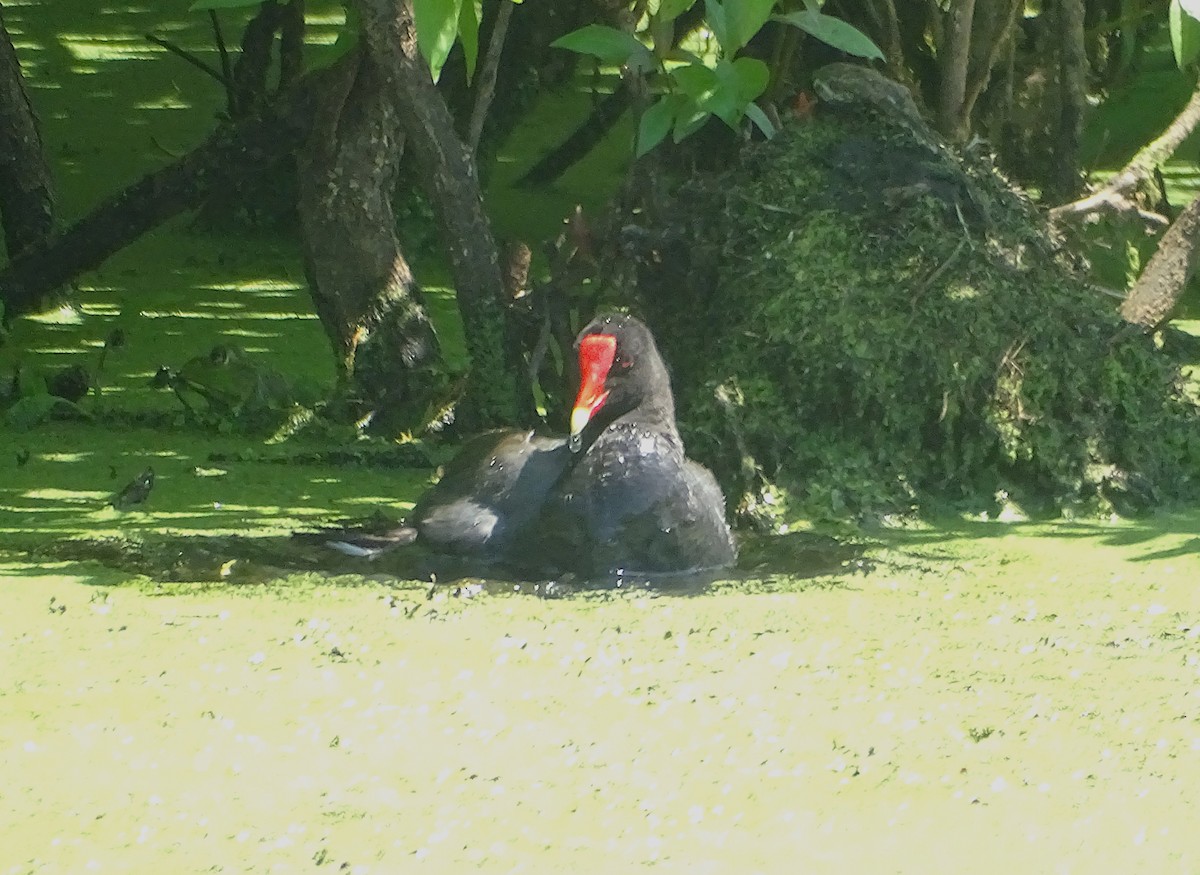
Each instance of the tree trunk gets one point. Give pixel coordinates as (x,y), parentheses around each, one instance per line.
(363,290)
(994,24)
(291,45)
(250,89)
(231,153)
(1166,275)
(954,57)
(1072,88)
(26,190)
(452,185)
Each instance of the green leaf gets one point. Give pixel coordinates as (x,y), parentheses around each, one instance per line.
(437,28)
(724,102)
(468,34)
(752,76)
(669,10)
(755,114)
(656,123)
(203,5)
(833,31)
(689,120)
(1185,33)
(610,45)
(677,54)
(696,81)
(745,18)
(714,14)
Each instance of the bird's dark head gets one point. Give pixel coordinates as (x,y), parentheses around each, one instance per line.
(620,371)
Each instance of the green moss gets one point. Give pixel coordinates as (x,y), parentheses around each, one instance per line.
(869,329)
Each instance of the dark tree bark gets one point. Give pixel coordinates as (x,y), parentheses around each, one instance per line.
(954,58)
(291,44)
(994,27)
(370,306)
(26,189)
(451,183)
(231,154)
(250,71)
(1168,272)
(1072,86)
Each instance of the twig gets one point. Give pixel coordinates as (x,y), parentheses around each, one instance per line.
(486,87)
(771,208)
(174,156)
(189,57)
(940,270)
(226,67)
(1109,198)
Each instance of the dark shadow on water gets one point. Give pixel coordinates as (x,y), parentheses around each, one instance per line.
(768,564)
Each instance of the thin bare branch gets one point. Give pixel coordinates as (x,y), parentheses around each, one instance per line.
(485,88)
(1141,167)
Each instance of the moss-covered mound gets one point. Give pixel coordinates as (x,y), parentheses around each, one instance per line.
(861,323)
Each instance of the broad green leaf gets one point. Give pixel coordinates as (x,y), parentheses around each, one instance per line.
(468,34)
(753,76)
(696,81)
(678,54)
(437,28)
(688,122)
(656,123)
(724,101)
(610,45)
(714,14)
(669,10)
(1185,33)
(755,114)
(745,18)
(833,31)
(203,5)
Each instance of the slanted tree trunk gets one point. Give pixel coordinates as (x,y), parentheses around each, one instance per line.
(451,183)
(231,153)
(364,292)
(1166,275)
(581,141)
(26,190)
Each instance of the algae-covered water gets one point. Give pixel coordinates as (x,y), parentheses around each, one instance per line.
(960,697)
(991,698)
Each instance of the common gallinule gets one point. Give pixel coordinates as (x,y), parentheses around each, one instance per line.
(617,495)
(630,500)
